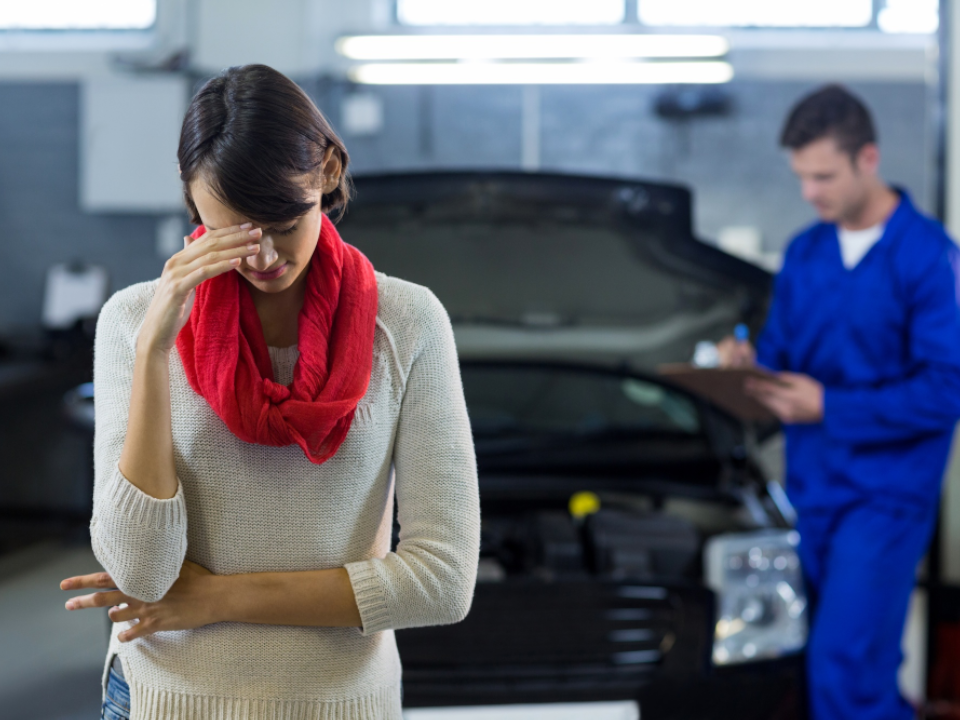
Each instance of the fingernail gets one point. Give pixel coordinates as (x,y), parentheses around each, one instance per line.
(246,225)
(253,246)
(71,605)
(254,232)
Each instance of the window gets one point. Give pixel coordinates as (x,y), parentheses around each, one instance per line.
(889,16)
(758,13)
(909,16)
(75,15)
(510,12)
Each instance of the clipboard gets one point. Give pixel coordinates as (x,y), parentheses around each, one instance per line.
(723,387)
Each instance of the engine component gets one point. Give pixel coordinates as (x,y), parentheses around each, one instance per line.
(636,545)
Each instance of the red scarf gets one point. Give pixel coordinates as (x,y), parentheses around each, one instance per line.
(226,359)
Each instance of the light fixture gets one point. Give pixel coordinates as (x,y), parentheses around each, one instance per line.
(560,73)
(545,46)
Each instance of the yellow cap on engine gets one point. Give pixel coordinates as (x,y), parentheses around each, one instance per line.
(583,504)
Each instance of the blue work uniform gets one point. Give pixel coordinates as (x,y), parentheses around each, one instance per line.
(884,339)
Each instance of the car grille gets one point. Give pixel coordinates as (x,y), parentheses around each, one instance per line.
(564,632)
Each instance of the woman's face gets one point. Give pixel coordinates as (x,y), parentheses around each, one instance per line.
(285,251)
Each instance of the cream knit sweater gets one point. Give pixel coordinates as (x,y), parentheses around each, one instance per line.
(243,508)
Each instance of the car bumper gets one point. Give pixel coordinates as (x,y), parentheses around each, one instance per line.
(587,641)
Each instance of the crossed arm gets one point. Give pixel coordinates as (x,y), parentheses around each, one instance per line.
(317,598)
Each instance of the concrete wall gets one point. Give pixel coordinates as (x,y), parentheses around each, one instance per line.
(738,174)
(733,163)
(40,218)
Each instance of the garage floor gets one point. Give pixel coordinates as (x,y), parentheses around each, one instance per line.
(51,660)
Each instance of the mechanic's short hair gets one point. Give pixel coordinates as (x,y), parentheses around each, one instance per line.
(832,111)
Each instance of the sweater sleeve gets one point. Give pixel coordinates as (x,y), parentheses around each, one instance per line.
(139,540)
(927,399)
(429,579)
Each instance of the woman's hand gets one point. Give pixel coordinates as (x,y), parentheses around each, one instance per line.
(212,254)
(188,603)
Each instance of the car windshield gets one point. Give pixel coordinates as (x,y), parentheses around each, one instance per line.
(507,401)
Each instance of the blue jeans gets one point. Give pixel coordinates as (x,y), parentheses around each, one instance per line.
(116,706)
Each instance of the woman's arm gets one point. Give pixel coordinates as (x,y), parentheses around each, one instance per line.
(139,538)
(138,528)
(147,459)
(429,578)
(314,598)
(147,456)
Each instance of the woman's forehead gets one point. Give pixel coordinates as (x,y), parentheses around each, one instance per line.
(216,214)
(212,210)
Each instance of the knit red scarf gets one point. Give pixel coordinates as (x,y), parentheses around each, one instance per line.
(226,360)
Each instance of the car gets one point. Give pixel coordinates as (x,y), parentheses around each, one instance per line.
(633,547)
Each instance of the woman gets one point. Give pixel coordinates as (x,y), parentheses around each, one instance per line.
(251,407)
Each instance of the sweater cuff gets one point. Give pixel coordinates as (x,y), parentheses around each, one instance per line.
(145,509)
(371,599)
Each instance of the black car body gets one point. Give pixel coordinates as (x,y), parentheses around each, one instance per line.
(565,294)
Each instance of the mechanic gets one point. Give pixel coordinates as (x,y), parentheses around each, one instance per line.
(864,335)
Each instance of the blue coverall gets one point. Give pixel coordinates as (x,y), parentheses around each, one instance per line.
(884,339)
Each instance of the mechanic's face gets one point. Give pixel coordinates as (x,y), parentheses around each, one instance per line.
(285,250)
(834,183)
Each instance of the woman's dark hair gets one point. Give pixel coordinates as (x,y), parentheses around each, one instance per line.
(255,136)
(833,111)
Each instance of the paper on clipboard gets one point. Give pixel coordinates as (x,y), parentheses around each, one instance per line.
(723,387)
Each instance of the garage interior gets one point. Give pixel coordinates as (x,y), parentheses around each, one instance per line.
(91,106)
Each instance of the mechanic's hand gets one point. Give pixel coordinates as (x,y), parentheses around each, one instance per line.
(212,254)
(792,397)
(736,353)
(185,606)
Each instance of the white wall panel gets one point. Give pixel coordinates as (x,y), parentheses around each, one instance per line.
(129,131)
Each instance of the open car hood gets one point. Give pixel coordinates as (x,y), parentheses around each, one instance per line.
(562,267)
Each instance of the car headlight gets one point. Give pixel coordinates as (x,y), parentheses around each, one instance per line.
(761,603)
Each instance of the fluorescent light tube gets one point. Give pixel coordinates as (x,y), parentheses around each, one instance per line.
(577,73)
(491,47)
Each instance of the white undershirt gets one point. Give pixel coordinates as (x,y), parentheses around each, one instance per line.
(854,244)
